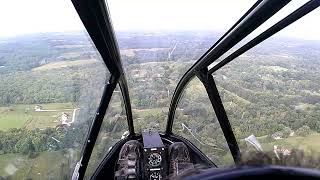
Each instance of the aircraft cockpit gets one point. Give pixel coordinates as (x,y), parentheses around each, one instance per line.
(159,89)
(183,145)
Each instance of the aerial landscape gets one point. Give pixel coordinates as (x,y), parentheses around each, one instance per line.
(51,85)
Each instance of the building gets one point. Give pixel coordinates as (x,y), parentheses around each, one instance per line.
(38,108)
(64,119)
(277,135)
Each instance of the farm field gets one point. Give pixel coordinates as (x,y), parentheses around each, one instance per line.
(307,144)
(24,115)
(63,64)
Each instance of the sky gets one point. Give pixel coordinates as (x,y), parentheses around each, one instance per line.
(18,17)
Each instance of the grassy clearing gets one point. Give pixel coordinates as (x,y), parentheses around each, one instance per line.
(73,46)
(147,112)
(305,106)
(70,55)
(308,144)
(11,119)
(275,68)
(63,64)
(132,52)
(237,99)
(18,116)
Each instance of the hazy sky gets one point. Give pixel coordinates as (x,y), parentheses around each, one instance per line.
(19,17)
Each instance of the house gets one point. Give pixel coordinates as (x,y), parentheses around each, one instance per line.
(277,135)
(38,108)
(64,119)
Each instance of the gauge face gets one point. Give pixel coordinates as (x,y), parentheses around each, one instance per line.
(155,175)
(154,159)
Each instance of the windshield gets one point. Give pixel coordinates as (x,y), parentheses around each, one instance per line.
(159,40)
(52,79)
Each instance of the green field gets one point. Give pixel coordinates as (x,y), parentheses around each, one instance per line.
(23,115)
(63,64)
(147,112)
(308,144)
(49,164)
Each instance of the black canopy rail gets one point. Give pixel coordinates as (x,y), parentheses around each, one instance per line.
(95,21)
(96,124)
(127,104)
(232,27)
(259,14)
(190,73)
(214,97)
(253,18)
(95,17)
(291,18)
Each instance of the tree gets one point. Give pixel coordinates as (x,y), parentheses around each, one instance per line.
(27,146)
(303,131)
(286,132)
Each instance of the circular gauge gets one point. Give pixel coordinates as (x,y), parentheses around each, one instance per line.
(154,159)
(155,175)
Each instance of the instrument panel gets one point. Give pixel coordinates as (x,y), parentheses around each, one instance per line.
(154,156)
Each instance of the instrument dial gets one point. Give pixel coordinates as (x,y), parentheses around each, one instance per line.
(155,175)
(154,159)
